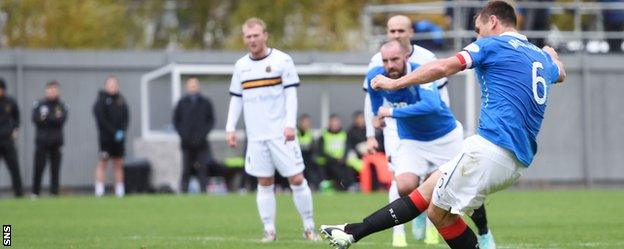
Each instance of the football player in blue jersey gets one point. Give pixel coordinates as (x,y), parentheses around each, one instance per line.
(515,77)
(429,135)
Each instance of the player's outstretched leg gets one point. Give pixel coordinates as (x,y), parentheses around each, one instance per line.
(265,199)
(397,212)
(398,231)
(453,229)
(486,240)
(302,196)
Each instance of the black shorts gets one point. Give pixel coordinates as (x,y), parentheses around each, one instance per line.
(111,149)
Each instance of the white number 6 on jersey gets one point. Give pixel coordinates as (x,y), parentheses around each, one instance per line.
(538,79)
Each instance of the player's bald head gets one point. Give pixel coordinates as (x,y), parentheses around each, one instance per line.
(399,27)
(394,45)
(399,20)
(394,56)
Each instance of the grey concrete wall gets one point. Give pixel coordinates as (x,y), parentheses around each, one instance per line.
(581,137)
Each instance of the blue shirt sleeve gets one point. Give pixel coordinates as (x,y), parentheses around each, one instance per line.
(375,96)
(553,71)
(429,103)
(477,51)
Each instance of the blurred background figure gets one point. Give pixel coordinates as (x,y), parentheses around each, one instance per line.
(193,119)
(306,142)
(333,152)
(49,115)
(436,42)
(375,173)
(613,21)
(534,20)
(9,124)
(466,20)
(356,146)
(112,118)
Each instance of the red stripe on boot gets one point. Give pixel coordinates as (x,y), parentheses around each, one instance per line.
(419,201)
(454,230)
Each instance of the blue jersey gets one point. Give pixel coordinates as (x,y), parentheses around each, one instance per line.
(515,77)
(419,111)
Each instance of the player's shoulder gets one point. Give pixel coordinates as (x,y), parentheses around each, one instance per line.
(276,54)
(484,43)
(419,51)
(414,65)
(374,71)
(432,86)
(242,60)
(375,61)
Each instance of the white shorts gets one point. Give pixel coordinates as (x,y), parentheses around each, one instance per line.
(424,157)
(481,169)
(265,156)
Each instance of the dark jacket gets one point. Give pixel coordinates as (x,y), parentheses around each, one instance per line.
(193,119)
(49,118)
(111,115)
(355,136)
(9,118)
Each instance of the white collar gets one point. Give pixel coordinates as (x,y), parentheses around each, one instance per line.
(515,34)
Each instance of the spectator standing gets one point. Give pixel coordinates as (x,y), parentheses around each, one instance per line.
(193,119)
(9,124)
(112,117)
(49,115)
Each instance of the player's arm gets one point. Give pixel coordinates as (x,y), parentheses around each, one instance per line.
(426,73)
(291,113)
(368,111)
(290,80)
(555,57)
(368,117)
(235,109)
(371,141)
(429,103)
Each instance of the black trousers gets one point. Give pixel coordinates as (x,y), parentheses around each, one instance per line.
(8,152)
(194,161)
(53,153)
(338,172)
(312,172)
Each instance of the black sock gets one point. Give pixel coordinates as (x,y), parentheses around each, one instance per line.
(397,212)
(467,240)
(480,220)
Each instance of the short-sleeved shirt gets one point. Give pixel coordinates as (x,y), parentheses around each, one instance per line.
(260,82)
(515,77)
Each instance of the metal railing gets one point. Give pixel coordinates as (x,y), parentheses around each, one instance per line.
(458,32)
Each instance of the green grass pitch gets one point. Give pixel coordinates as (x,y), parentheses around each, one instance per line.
(518,219)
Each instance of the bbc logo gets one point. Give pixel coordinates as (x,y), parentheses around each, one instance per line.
(6,235)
